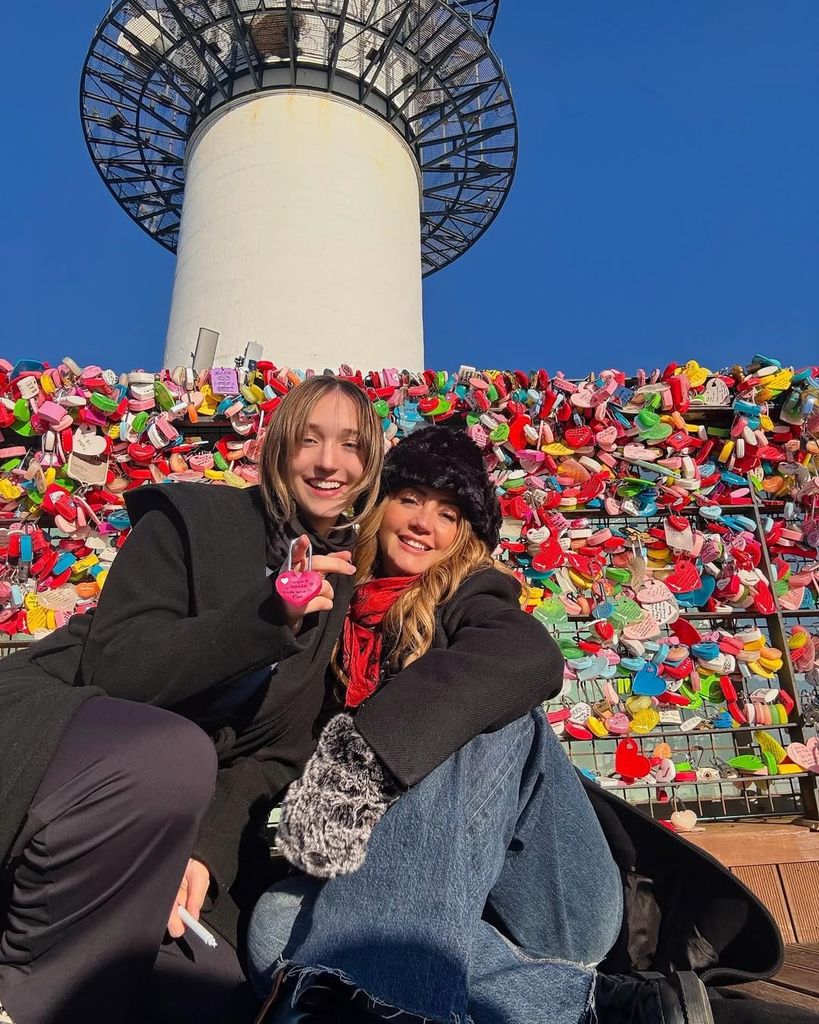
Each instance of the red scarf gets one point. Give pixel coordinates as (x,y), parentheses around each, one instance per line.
(363,635)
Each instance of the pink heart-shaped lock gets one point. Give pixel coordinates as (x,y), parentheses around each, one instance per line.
(607,437)
(298,588)
(806,755)
(619,724)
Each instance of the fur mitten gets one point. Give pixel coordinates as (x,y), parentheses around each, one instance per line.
(329,813)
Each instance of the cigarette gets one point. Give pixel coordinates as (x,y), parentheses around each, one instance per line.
(198,930)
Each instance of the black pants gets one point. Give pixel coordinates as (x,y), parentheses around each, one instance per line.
(99,861)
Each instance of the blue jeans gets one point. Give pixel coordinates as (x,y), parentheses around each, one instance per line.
(488,894)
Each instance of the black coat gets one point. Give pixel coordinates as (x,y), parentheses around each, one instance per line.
(683,911)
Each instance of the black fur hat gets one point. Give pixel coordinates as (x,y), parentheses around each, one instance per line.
(447,460)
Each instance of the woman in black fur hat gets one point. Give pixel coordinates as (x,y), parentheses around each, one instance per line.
(499,885)
(469,899)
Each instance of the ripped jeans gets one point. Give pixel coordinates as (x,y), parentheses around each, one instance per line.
(488,895)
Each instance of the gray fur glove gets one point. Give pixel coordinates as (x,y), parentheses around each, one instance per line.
(329,813)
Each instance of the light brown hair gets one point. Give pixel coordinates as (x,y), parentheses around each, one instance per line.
(287,428)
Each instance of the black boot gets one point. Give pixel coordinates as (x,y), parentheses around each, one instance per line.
(677,998)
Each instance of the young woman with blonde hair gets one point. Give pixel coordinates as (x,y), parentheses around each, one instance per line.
(110,819)
(450,858)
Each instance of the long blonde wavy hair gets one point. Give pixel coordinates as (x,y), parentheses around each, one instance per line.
(409,626)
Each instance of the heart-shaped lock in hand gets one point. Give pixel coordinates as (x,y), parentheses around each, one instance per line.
(298,588)
(629,762)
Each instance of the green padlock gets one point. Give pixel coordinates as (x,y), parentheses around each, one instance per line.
(748,763)
(163,397)
(550,612)
(694,696)
(139,422)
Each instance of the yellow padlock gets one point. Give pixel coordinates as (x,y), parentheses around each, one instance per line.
(232,480)
(208,406)
(771,746)
(101,578)
(644,721)
(580,581)
(557,448)
(790,769)
(754,645)
(253,394)
(31,601)
(8,491)
(596,725)
(82,565)
(697,375)
(780,381)
(727,451)
(637,703)
(36,618)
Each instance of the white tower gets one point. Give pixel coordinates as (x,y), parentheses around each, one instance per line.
(329,153)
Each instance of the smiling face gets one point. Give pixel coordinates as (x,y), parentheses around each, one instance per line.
(418,529)
(327,463)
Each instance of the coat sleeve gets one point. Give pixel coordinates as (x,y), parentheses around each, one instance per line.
(232,833)
(499,665)
(233,824)
(145,644)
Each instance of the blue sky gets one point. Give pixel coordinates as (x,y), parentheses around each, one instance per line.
(666,204)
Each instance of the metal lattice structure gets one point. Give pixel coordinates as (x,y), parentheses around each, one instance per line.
(483,12)
(157,69)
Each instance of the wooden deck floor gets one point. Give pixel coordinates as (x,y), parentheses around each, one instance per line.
(779,862)
(797,984)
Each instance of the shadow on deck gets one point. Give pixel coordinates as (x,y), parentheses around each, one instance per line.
(797,984)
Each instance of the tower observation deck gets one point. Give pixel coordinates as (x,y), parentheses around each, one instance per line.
(308,162)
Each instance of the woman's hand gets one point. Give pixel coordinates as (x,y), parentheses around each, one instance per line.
(191,896)
(341,562)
